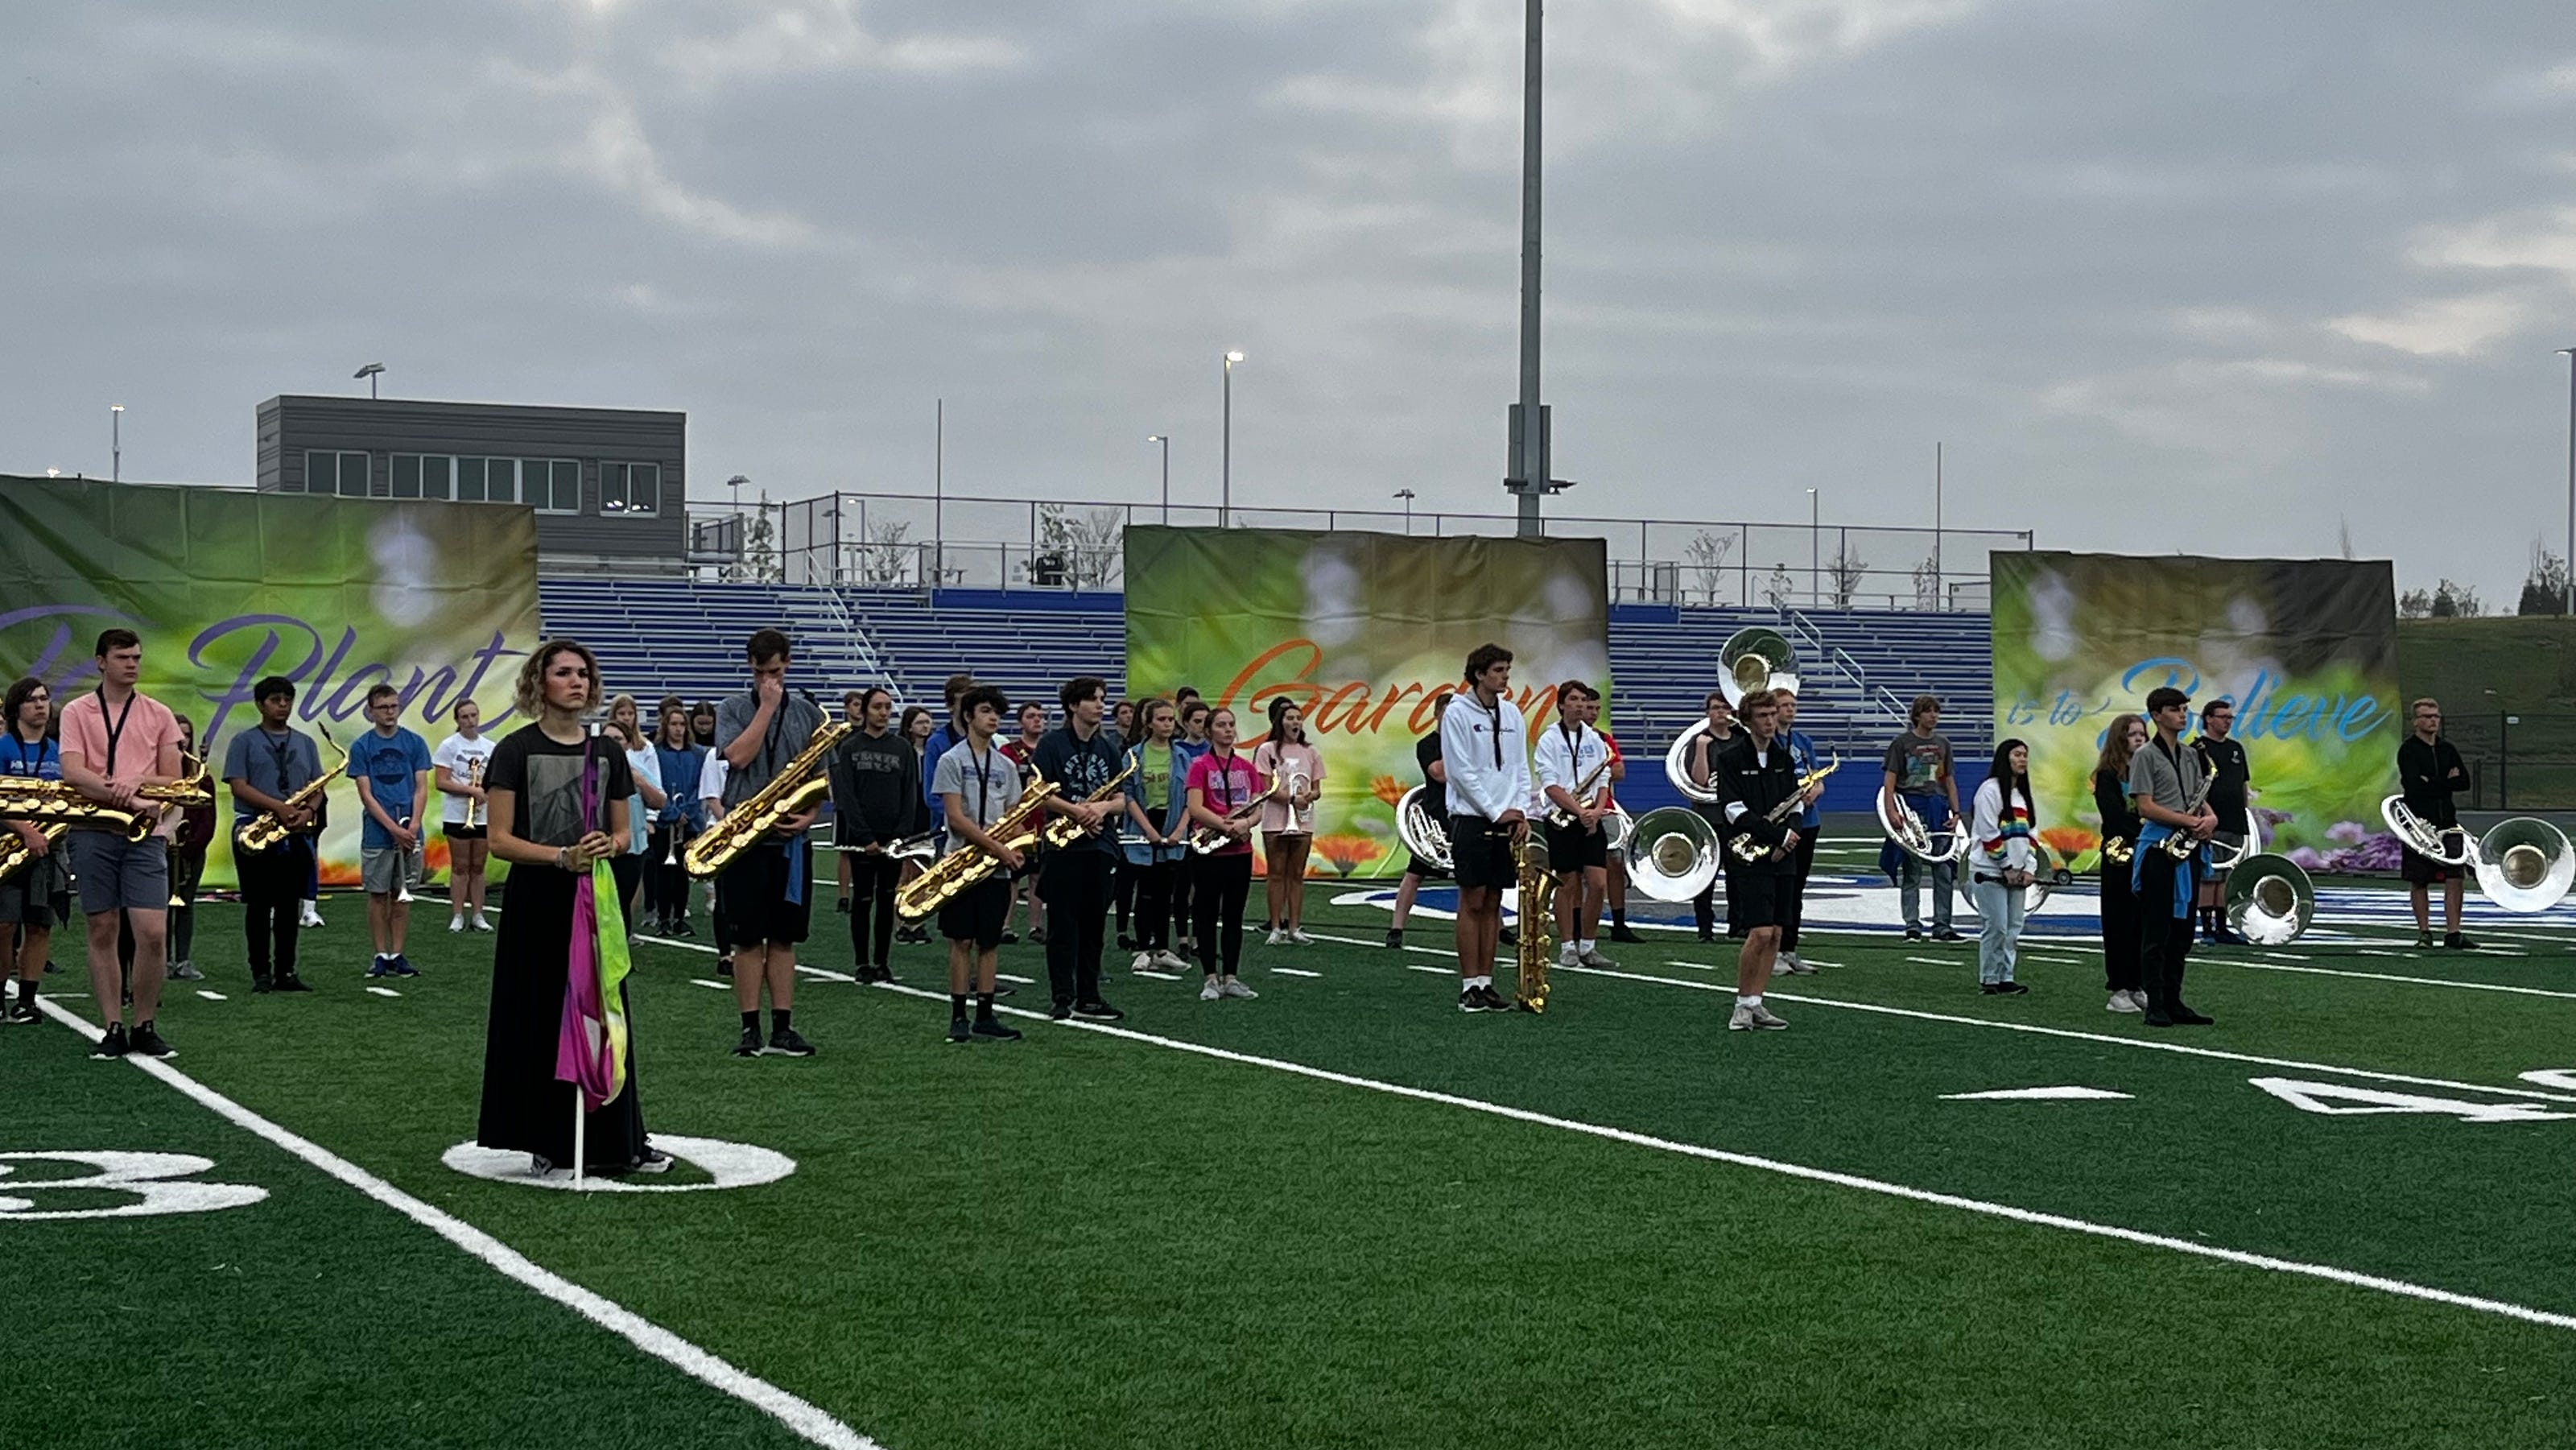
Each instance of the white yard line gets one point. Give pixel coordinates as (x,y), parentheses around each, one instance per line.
(1285,972)
(798,1415)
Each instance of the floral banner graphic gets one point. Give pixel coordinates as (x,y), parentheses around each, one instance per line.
(1362,632)
(2306,650)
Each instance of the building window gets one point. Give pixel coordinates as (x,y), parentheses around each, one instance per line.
(630,488)
(344,474)
(424,475)
(552,484)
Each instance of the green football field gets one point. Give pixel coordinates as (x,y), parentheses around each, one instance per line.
(1342,1214)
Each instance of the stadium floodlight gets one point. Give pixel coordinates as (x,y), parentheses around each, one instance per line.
(370,372)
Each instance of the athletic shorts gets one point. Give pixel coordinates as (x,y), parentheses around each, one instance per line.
(459,831)
(978,914)
(385,869)
(35,897)
(751,896)
(2422,870)
(1574,849)
(1758,897)
(118,874)
(1480,852)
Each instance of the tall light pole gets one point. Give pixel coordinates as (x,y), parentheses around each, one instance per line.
(1166,440)
(370,372)
(1815,549)
(1406,494)
(2570,354)
(115,442)
(1529,467)
(1225,486)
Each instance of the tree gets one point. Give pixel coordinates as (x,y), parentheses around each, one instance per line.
(886,556)
(1927,583)
(1707,554)
(2445,600)
(1779,588)
(1076,551)
(760,561)
(2544,589)
(1845,571)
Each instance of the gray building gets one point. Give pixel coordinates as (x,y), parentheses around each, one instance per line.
(608,484)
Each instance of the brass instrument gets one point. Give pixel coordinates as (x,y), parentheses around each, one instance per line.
(1208,840)
(1423,835)
(1298,784)
(2524,864)
(2423,837)
(915,848)
(267,831)
(474,777)
(1537,908)
(402,868)
(1755,659)
(943,880)
(1906,829)
(1565,820)
(1677,766)
(1063,831)
(2181,844)
(2270,900)
(1672,853)
(16,855)
(799,784)
(1747,849)
(49,802)
(2117,850)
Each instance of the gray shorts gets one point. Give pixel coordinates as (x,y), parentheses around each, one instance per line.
(386,870)
(120,875)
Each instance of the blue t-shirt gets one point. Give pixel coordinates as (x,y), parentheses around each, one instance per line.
(1802,754)
(37,760)
(389,765)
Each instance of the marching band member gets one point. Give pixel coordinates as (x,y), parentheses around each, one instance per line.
(2164,885)
(712,771)
(187,868)
(853,711)
(1701,765)
(766,893)
(116,740)
(1811,823)
(1193,744)
(1083,758)
(2002,820)
(1481,745)
(1918,769)
(391,766)
(644,764)
(1435,803)
(456,769)
(1024,886)
(1158,804)
(2221,751)
(873,790)
(1571,764)
(917,724)
(1221,784)
(2120,745)
(2429,773)
(264,767)
(1757,776)
(666,880)
(976,786)
(1617,871)
(32,901)
(1288,818)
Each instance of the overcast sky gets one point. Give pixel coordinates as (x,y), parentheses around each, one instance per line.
(2216,277)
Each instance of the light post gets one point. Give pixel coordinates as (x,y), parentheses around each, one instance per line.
(2570,354)
(370,372)
(115,442)
(1815,550)
(1225,494)
(1166,440)
(1406,494)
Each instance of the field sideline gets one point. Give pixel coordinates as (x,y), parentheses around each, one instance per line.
(1347,1214)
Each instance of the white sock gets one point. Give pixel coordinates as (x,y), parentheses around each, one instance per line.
(1480,981)
(1585,948)
(1743,1001)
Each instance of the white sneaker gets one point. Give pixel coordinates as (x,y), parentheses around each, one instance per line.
(1278,938)
(1209,991)
(1298,935)
(1234,987)
(1565,955)
(311,917)
(1144,961)
(2124,1002)
(480,924)
(1762,1018)
(456,923)
(1594,958)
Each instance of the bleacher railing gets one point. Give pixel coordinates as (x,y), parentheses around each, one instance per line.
(911,542)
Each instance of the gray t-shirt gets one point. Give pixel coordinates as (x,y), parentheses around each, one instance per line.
(1921,764)
(274,765)
(986,788)
(2153,777)
(790,730)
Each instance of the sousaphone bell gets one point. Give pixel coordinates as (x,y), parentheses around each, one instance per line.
(2524,864)
(1753,659)
(1672,853)
(2270,900)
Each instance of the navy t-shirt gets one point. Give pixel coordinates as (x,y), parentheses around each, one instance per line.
(389,764)
(1082,767)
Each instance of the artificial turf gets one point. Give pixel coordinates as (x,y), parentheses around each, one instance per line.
(1095,1237)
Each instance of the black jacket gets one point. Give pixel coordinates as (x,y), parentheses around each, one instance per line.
(2119,816)
(1758,785)
(876,790)
(2227,793)
(2426,774)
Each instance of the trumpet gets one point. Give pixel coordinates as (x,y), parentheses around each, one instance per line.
(268,830)
(402,867)
(16,855)
(799,784)
(1298,784)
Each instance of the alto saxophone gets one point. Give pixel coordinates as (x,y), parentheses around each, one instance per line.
(268,830)
(1537,883)
(17,856)
(1062,832)
(943,880)
(797,787)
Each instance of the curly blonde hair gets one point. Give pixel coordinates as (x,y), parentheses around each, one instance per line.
(531,694)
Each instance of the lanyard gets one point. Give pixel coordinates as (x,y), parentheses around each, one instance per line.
(115,731)
(1573,735)
(277,750)
(1225,781)
(44,752)
(983,782)
(1496,710)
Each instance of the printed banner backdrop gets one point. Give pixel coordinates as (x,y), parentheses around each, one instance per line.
(1361,631)
(2306,649)
(438,600)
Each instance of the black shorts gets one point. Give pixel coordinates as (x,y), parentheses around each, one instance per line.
(1572,848)
(1761,896)
(459,831)
(751,896)
(978,913)
(2421,870)
(36,897)
(1480,852)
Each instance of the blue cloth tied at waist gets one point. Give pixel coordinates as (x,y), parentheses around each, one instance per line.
(2151,837)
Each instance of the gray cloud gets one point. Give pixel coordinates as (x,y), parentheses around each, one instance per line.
(2283,266)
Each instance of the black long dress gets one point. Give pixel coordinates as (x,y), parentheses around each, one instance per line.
(2120,964)
(525,1108)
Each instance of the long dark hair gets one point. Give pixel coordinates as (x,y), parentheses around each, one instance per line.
(2114,760)
(19,694)
(2010,780)
(1280,705)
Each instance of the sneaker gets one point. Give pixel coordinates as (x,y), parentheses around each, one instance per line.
(1749,1019)
(2226,936)
(1763,1019)
(1623,934)
(382,966)
(402,967)
(1126,943)
(1509,936)
(456,925)
(1278,938)
(1395,939)
(2423,941)
(2155,1018)
(2185,1017)
(479,924)
(1144,963)
(1210,990)
(1037,935)
(539,1165)
(261,986)
(653,1161)
(1473,999)
(2457,942)
(1943,933)
(958,1031)
(289,982)
(1565,955)
(1098,1011)
(749,1046)
(1595,960)
(112,1046)
(842,906)
(2004,989)
(1234,988)
(186,972)
(679,927)
(1012,938)
(1708,935)
(1298,935)
(1058,1011)
(990,1029)
(148,1041)
(311,916)
(724,966)
(1170,963)
(2124,1002)
(787,1042)
(1496,1001)
(1914,933)
(21,1012)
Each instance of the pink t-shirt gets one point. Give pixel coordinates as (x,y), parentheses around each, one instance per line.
(1225,787)
(1287,760)
(147,726)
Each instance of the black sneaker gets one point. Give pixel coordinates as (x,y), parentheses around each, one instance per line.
(148,1041)
(292,983)
(749,1046)
(1058,1011)
(724,966)
(1098,1011)
(1037,934)
(681,928)
(785,1042)
(261,986)
(2004,989)
(2457,942)
(1471,1000)
(653,1161)
(112,1046)
(1914,933)
(1395,939)
(1946,934)
(402,967)
(2185,1017)
(987,1029)
(842,906)
(1010,938)
(22,1012)
(958,1031)
(1623,934)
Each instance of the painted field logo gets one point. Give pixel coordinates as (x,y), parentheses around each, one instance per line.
(727,1165)
(144,1183)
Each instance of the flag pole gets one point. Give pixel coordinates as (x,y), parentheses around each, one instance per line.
(580,1135)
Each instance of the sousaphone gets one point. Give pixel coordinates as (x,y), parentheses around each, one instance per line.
(1753,659)
(1672,854)
(2524,864)
(2270,900)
